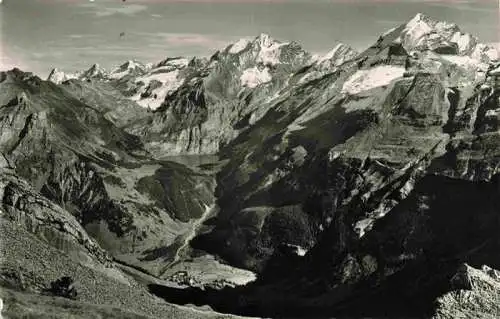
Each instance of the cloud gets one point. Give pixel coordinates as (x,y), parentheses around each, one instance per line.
(9,62)
(467,5)
(389,22)
(81,36)
(126,10)
(182,39)
(106,9)
(210,41)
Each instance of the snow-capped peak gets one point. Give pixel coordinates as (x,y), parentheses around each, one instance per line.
(268,50)
(57,76)
(94,71)
(254,77)
(127,68)
(262,50)
(130,64)
(322,64)
(422,33)
(340,53)
(332,52)
(239,46)
(265,40)
(418,18)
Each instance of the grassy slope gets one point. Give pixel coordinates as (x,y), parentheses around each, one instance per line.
(102,293)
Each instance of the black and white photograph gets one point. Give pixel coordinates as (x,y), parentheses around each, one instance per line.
(225,159)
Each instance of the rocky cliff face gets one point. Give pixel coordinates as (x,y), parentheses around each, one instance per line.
(377,124)
(392,144)
(134,206)
(46,220)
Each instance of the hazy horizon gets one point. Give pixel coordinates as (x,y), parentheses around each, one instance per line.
(37,35)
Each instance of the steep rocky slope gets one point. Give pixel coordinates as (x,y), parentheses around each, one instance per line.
(385,170)
(70,152)
(377,124)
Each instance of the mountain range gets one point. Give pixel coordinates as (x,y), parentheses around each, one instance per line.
(261,181)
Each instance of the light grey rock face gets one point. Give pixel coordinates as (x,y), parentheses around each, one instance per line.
(57,76)
(475,294)
(48,221)
(328,63)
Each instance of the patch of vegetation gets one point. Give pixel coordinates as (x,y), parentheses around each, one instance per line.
(110,179)
(288,225)
(152,188)
(63,287)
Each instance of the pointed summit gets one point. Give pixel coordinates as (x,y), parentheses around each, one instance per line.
(239,46)
(265,40)
(265,51)
(57,76)
(424,33)
(95,71)
(338,55)
(419,17)
(131,67)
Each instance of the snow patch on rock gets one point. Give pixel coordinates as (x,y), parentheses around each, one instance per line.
(465,62)
(483,52)
(254,77)
(57,76)
(331,53)
(299,251)
(386,33)
(169,82)
(180,62)
(270,50)
(416,29)
(125,69)
(464,41)
(239,46)
(378,76)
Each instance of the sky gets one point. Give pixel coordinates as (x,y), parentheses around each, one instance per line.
(37,35)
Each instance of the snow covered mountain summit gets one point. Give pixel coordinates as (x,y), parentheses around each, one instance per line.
(424,33)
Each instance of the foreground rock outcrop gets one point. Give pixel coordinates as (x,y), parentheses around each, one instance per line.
(475,294)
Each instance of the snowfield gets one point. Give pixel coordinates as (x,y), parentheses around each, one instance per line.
(239,46)
(124,69)
(464,41)
(364,80)
(170,82)
(270,50)
(254,77)
(331,53)
(179,62)
(57,76)
(486,53)
(416,29)
(465,62)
